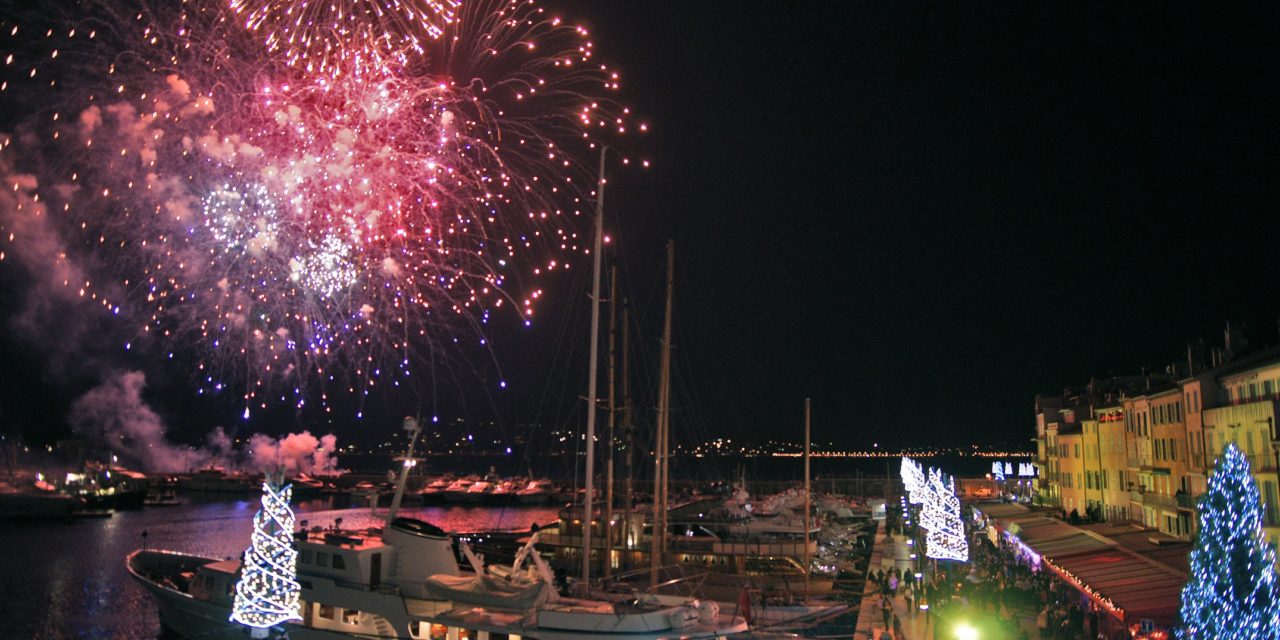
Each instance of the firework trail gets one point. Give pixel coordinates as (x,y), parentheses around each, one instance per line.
(304,197)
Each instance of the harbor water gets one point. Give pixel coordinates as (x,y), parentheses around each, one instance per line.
(66,579)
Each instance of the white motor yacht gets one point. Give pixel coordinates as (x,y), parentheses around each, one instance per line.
(536,492)
(404,582)
(478,491)
(457,490)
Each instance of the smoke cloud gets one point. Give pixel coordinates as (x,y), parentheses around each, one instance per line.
(115,415)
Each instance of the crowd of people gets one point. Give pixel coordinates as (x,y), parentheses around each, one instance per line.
(996,592)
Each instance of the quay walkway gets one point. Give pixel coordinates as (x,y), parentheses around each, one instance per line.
(888,552)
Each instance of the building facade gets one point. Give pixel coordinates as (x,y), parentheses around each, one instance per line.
(1141,449)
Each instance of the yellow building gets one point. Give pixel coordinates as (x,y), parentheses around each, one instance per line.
(1250,425)
(1143,452)
(1071,471)
(1103,437)
(1169,466)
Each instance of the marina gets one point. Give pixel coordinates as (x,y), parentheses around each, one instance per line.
(82,590)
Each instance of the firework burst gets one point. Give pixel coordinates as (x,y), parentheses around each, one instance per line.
(326,36)
(313,227)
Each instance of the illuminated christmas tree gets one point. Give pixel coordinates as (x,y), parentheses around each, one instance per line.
(1232,591)
(946,539)
(267,592)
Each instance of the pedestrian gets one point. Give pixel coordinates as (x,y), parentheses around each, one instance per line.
(886,610)
(897,629)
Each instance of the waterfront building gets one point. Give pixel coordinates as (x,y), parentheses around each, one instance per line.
(1071,470)
(1141,448)
(1106,492)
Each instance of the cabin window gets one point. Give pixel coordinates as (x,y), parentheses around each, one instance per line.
(304,556)
(350,616)
(322,559)
(326,611)
(498,636)
(338,562)
(466,634)
(439,632)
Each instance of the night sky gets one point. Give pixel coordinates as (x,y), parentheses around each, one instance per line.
(918,215)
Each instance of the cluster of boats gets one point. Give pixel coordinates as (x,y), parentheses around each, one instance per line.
(489,490)
(404,581)
(413,581)
(98,489)
(94,490)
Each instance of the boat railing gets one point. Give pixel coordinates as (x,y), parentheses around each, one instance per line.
(693,581)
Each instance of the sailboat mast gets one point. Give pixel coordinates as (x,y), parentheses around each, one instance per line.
(662,451)
(593,374)
(627,439)
(807,497)
(613,421)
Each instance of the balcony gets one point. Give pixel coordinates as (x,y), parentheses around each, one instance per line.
(1185,501)
(1136,497)
(1159,500)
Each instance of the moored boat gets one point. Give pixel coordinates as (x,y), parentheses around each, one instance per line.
(40,500)
(404,582)
(457,490)
(216,480)
(433,492)
(536,492)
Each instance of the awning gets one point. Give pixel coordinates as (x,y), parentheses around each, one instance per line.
(1068,545)
(1129,586)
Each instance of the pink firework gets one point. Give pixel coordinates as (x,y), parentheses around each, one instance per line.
(323,36)
(316,229)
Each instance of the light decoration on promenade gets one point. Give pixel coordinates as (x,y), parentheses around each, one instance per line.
(946,539)
(1231,592)
(930,509)
(267,591)
(997,471)
(913,481)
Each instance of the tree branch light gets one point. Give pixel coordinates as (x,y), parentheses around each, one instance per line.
(913,481)
(946,539)
(1232,590)
(268,589)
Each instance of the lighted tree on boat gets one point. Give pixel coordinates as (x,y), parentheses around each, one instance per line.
(268,589)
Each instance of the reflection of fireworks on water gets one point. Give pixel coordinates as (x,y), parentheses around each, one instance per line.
(311,229)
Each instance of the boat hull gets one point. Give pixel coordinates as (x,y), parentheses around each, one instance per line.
(186,616)
(22,505)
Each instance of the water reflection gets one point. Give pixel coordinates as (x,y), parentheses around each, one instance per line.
(67,579)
